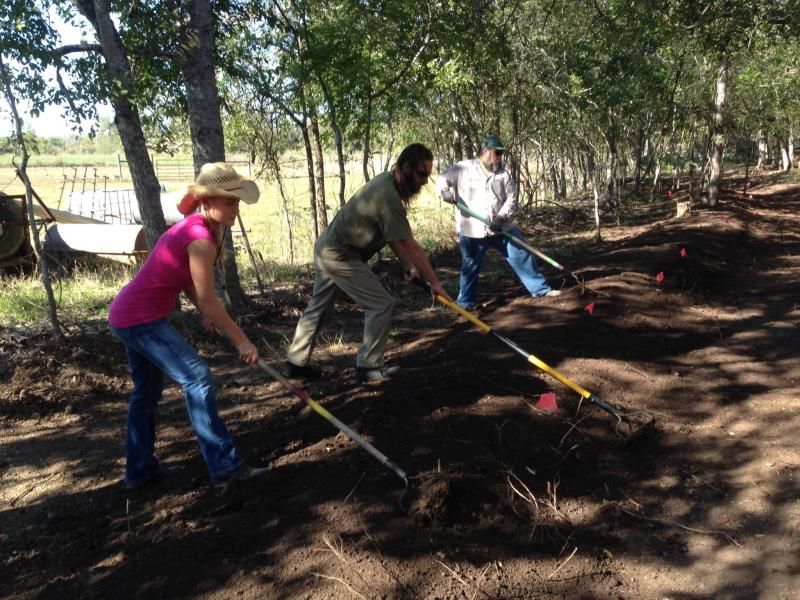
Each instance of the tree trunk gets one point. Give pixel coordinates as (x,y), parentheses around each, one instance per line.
(205,120)
(126,119)
(611,167)
(44,267)
(310,175)
(553,173)
(319,165)
(718,133)
(367,132)
(516,133)
(656,178)
(763,150)
(389,147)
(301,120)
(271,157)
(637,166)
(337,137)
(783,144)
(596,193)
(202,95)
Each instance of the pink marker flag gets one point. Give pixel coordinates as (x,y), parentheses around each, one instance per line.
(660,277)
(669,193)
(683,252)
(589,308)
(754,213)
(749,196)
(547,401)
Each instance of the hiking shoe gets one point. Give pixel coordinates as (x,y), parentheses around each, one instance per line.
(552,293)
(293,371)
(243,472)
(368,375)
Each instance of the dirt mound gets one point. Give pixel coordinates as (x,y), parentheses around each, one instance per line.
(451,499)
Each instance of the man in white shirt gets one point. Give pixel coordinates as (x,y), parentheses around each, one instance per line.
(488,190)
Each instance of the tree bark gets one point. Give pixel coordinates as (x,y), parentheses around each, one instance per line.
(598,236)
(611,167)
(319,165)
(367,134)
(389,146)
(763,150)
(310,175)
(200,82)
(126,118)
(783,144)
(337,136)
(205,120)
(718,133)
(457,140)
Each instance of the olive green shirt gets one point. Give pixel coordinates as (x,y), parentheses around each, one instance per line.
(373,217)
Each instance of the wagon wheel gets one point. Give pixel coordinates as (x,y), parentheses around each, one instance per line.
(12,226)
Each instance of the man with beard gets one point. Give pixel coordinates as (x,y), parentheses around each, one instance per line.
(487,189)
(374,217)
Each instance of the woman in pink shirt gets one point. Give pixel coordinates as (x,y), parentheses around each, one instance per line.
(182,261)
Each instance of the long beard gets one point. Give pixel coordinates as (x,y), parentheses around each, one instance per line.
(408,186)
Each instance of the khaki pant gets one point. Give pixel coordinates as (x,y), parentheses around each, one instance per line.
(355,279)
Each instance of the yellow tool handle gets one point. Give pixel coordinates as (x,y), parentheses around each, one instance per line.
(529,357)
(464,313)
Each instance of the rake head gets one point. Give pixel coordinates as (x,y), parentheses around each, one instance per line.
(628,426)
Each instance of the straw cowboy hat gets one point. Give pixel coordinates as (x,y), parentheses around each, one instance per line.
(218,180)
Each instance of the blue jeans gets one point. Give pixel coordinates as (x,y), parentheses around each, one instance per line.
(472,252)
(155,349)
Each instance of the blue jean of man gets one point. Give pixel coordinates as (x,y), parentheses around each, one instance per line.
(472,253)
(155,349)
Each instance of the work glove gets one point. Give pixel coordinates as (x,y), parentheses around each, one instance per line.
(448,197)
(496,226)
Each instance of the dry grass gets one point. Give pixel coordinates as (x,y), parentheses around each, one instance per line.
(265,226)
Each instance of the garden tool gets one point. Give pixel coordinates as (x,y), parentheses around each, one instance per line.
(524,245)
(633,427)
(325,414)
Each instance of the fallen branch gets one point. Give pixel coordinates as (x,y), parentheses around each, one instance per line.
(561,566)
(478,583)
(670,523)
(33,487)
(645,375)
(342,581)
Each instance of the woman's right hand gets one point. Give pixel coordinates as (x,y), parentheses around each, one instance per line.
(248,352)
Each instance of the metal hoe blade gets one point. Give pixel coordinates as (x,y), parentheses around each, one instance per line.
(621,417)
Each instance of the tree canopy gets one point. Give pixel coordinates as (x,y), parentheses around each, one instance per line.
(586,94)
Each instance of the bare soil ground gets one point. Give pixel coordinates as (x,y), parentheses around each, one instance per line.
(506,501)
